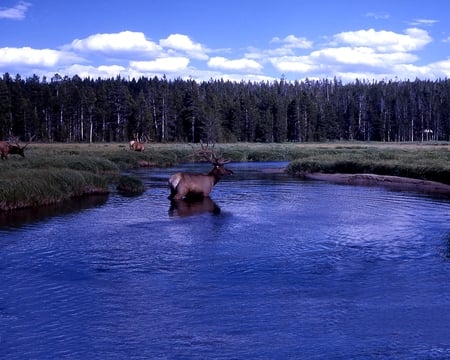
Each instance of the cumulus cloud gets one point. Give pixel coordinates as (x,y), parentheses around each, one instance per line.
(367,53)
(234,65)
(27,56)
(361,55)
(440,68)
(122,42)
(385,41)
(84,71)
(182,43)
(161,65)
(298,64)
(16,12)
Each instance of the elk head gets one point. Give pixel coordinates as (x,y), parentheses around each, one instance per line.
(184,185)
(13,147)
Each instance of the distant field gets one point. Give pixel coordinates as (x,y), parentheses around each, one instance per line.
(166,154)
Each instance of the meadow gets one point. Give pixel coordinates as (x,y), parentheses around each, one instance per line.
(51,173)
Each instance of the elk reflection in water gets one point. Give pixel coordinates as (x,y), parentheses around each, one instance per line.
(193,206)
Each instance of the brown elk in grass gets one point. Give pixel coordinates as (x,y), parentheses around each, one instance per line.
(13,147)
(184,185)
(137,145)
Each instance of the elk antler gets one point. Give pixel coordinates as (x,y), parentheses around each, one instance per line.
(29,141)
(14,139)
(209,154)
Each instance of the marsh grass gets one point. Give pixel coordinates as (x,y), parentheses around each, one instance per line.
(130,185)
(413,162)
(51,173)
(35,187)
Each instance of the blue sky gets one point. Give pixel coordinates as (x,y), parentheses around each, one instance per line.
(228,39)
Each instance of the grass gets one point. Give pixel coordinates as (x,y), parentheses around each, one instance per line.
(130,185)
(425,163)
(37,187)
(51,173)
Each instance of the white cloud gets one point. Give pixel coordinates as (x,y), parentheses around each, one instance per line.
(441,69)
(378,15)
(360,55)
(423,22)
(182,43)
(85,71)
(161,65)
(293,42)
(15,13)
(122,42)
(235,65)
(27,56)
(385,41)
(299,64)
(363,54)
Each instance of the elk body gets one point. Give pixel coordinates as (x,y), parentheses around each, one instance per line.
(8,148)
(183,185)
(138,145)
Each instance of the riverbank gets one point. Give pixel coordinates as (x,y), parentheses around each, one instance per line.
(392,182)
(52,173)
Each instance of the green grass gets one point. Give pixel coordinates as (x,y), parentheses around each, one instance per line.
(51,173)
(37,187)
(413,162)
(130,185)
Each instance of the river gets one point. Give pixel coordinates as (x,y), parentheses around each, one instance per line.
(272,267)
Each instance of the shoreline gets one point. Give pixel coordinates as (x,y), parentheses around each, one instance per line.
(389,181)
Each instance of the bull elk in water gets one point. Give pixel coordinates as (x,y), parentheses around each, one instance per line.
(13,147)
(186,185)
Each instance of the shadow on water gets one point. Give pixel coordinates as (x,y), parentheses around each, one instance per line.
(190,207)
(21,217)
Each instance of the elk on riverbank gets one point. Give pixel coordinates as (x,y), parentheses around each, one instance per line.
(12,147)
(184,185)
(138,144)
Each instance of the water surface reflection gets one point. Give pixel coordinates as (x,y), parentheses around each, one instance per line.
(31,215)
(190,207)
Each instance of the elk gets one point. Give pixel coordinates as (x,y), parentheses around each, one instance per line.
(186,185)
(138,145)
(7,147)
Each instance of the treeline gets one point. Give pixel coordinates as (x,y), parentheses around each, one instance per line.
(63,109)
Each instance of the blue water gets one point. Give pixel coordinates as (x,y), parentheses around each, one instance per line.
(277,268)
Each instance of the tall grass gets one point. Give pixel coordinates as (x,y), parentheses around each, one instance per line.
(36,187)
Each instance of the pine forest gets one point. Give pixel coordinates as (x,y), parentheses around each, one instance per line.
(63,109)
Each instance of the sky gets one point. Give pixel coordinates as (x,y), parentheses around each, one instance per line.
(237,40)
